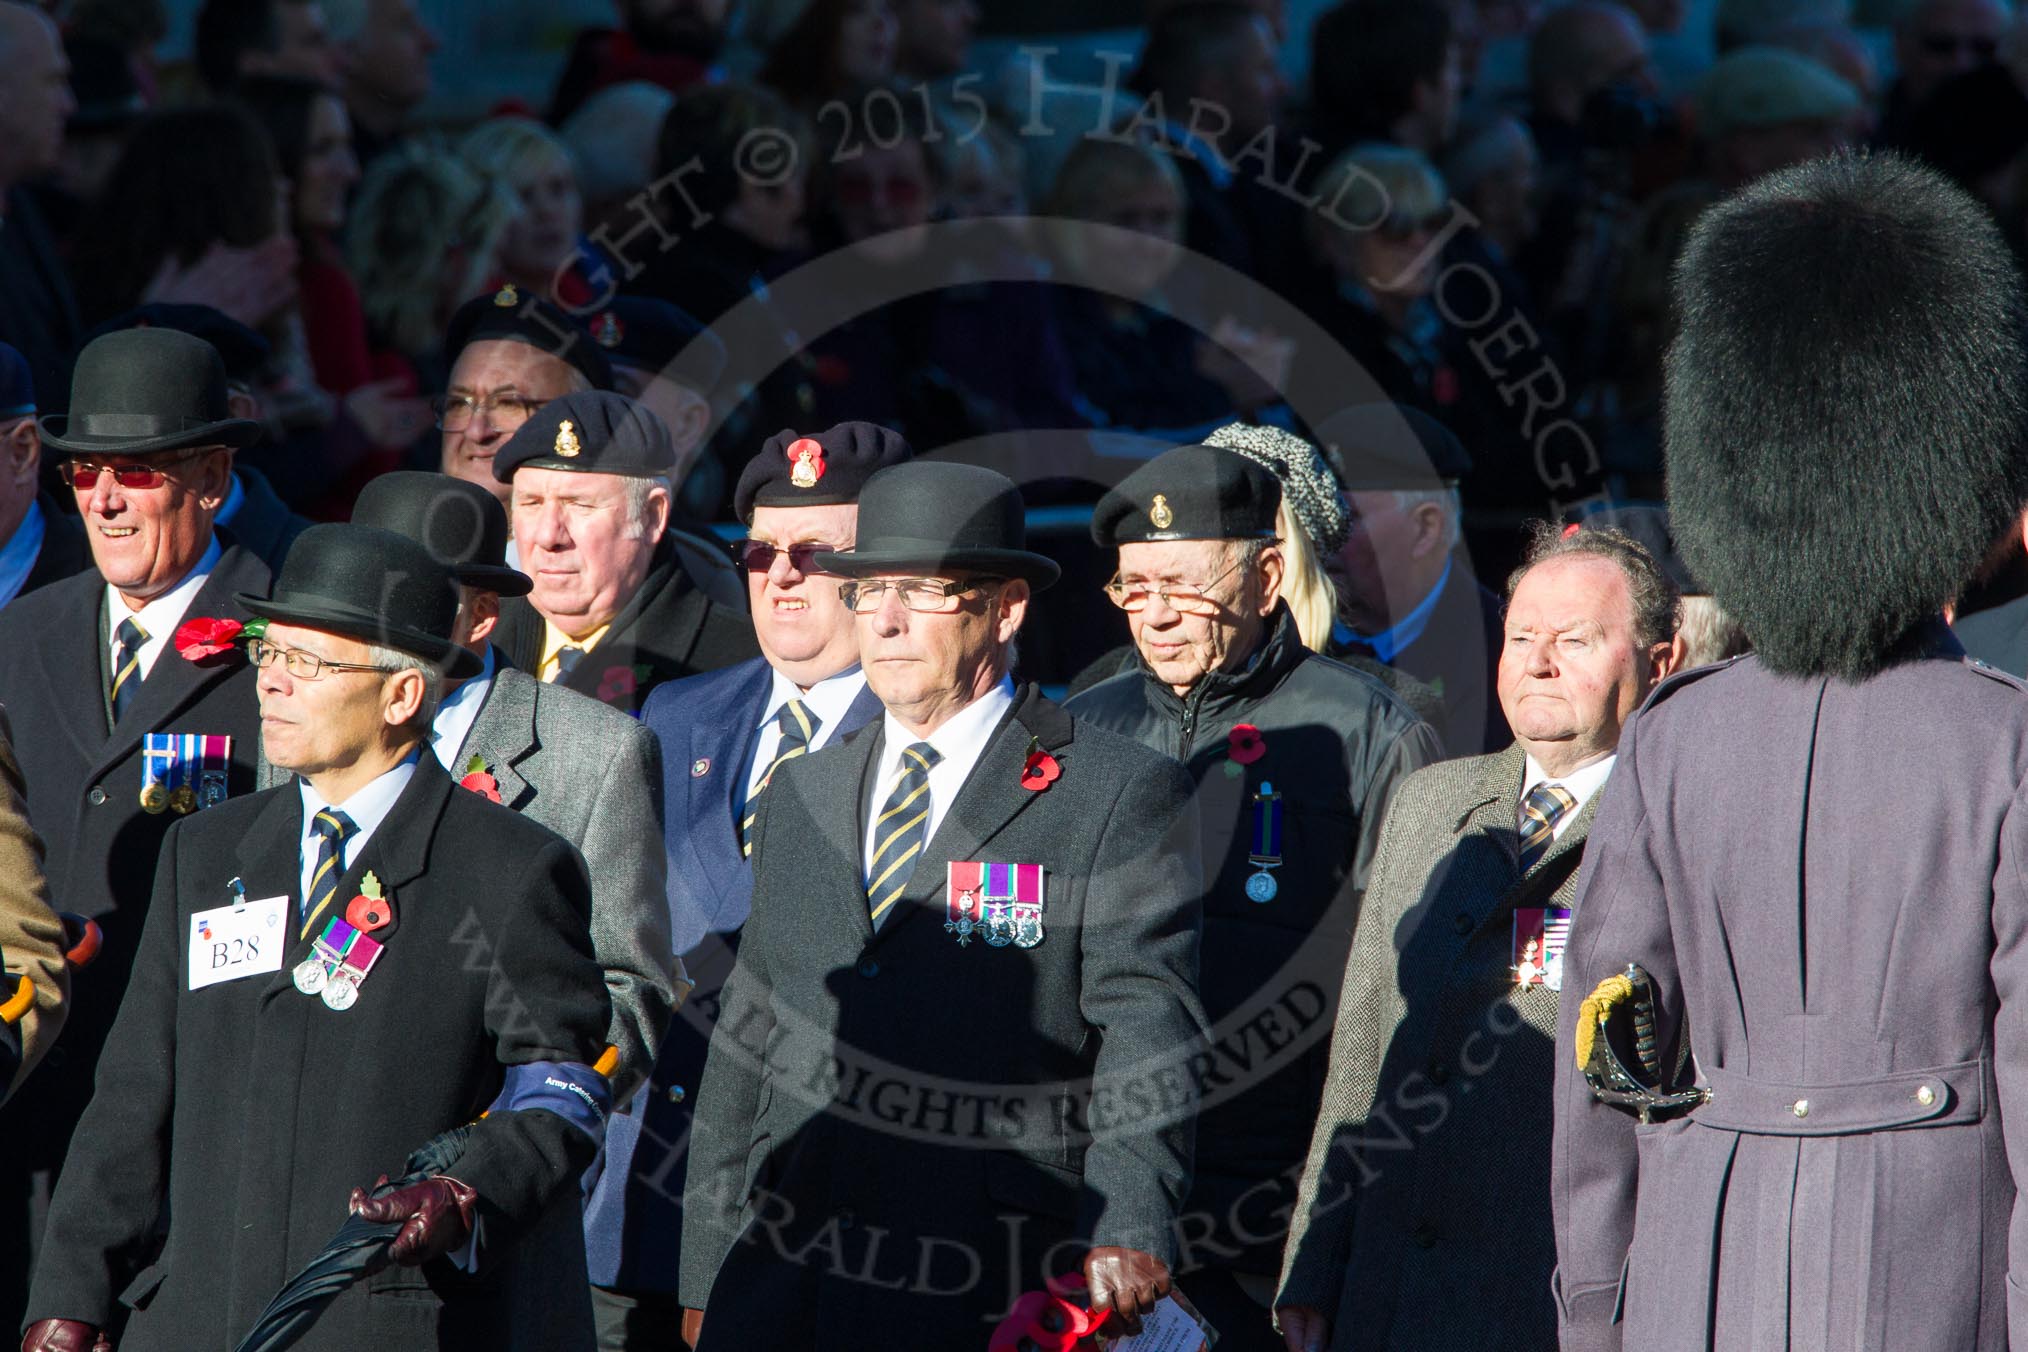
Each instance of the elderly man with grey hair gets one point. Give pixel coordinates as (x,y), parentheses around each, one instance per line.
(1406,596)
(613,613)
(1420,1217)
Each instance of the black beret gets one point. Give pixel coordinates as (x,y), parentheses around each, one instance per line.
(654,336)
(794,470)
(1190,493)
(524,317)
(1391,446)
(595,431)
(243,350)
(1648,525)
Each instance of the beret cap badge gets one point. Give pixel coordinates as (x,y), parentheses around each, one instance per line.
(607,330)
(1159,513)
(507,297)
(567,444)
(806,454)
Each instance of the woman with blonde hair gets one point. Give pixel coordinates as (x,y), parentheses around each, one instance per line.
(425,235)
(543,246)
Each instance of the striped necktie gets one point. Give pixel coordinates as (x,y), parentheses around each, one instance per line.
(798,726)
(901,830)
(127,666)
(1545,806)
(332,828)
(567,658)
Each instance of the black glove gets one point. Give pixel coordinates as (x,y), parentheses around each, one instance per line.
(63,1335)
(1127,1282)
(437,1212)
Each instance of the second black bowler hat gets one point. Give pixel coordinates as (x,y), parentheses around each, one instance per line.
(936,516)
(462,525)
(371,585)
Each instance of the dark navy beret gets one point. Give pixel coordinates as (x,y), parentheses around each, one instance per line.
(1190,493)
(1392,446)
(655,336)
(595,431)
(794,470)
(524,317)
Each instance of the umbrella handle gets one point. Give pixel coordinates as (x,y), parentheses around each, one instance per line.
(18,1003)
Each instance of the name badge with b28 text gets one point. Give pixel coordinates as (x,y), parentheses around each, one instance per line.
(235,941)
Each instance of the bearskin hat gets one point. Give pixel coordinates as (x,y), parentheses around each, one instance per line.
(1846,406)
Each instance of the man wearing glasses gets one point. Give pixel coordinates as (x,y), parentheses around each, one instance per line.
(1294,757)
(511,354)
(722,735)
(335,972)
(612,613)
(916,1104)
(91,680)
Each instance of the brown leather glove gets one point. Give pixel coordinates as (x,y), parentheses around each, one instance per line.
(693,1326)
(437,1212)
(1127,1282)
(63,1335)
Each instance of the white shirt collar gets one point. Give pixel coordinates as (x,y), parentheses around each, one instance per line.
(18,555)
(959,744)
(826,701)
(367,807)
(1582,783)
(159,618)
(457,714)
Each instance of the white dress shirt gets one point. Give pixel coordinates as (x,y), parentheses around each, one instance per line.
(826,701)
(159,618)
(959,742)
(18,555)
(1580,783)
(367,807)
(455,716)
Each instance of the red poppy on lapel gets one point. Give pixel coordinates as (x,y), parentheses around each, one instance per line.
(618,683)
(479,780)
(1245,744)
(371,909)
(201,638)
(1040,772)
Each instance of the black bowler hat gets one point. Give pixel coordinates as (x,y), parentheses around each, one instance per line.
(941,517)
(593,431)
(242,349)
(372,585)
(462,525)
(145,391)
(794,470)
(518,316)
(1190,493)
(1392,446)
(659,338)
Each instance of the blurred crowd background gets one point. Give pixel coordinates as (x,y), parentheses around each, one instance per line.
(1149,217)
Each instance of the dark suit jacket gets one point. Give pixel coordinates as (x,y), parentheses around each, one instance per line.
(930,1103)
(84,787)
(264,525)
(668,629)
(252,1109)
(1420,1217)
(64,552)
(634,1220)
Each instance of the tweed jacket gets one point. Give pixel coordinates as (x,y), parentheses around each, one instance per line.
(959,1116)
(31,937)
(593,776)
(1420,1221)
(1824,880)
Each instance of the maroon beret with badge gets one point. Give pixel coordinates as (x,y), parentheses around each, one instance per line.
(798,470)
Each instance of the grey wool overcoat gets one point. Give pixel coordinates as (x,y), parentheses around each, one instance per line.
(1824,879)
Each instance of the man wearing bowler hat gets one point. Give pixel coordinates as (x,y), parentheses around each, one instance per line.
(119,736)
(612,613)
(951,1061)
(722,733)
(334,972)
(1295,758)
(587,772)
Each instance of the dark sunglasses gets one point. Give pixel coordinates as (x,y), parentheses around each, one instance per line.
(83,475)
(758,556)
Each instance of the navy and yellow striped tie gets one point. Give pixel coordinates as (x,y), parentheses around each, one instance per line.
(127,666)
(1541,810)
(332,828)
(901,830)
(798,726)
